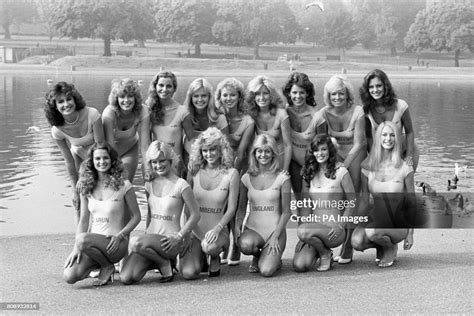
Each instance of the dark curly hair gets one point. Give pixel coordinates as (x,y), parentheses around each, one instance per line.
(126,87)
(388,98)
(311,166)
(51,112)
(88,174)
(153,101)
(301,80)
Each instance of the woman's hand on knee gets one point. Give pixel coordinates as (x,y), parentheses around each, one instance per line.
(75,256)
(114,243)
(212,235)
(273,245)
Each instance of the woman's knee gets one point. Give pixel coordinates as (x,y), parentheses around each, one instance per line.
(127,277)
(247,245)
(358,239)
(136,244)
(304,233)
(300,265)
(70,276)
(189,273)
(268,270)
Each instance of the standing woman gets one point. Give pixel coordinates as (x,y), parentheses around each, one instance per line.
(75,128)
(126,122)
(107,197)
(230,95)
(326,180)
(389,180)
(269,192)
(166,115)
(266,108)
(381,104)
(216,188)
(305,122)
(346,124)
(202,113)
(165,238)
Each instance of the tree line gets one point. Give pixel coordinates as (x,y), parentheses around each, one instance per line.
(389,25)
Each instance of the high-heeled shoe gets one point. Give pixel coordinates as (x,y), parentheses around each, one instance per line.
(325,263)
(388,257)
(166,279)
(253,268)
(214,262)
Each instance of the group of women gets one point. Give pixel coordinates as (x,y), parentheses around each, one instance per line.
(222,169)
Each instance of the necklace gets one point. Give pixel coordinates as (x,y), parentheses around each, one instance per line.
(74,122)
(380,110)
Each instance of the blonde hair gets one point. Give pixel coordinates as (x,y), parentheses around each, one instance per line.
(210,137)
(276,100)
(125,87)
(194,86)
(335,83)
(262,141)
(232,83)
(158,148)
(375,155)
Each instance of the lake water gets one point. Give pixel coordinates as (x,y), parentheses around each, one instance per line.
(35,193)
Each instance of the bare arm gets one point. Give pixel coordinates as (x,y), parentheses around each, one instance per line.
(144,133)
(71,170)
(192,212)
(349,194)
(241,210)
(359,141)
(132,205)
(410,136)
(244,145)
(98,130)
(364,195)
(286,138)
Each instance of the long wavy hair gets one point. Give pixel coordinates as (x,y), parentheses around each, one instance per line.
(252,88)
(335,83)
(157,149)
(54,117)
(157,111)
(301,80)
(122,88)
(388,98)
(374,159)
(239,87)
(88,175)
(210,137)
(262,141)
(311,166)
(212,112)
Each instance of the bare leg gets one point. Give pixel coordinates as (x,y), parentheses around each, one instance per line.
(250,243)
(269,263)
(213,250)
(305,258)
(191,261)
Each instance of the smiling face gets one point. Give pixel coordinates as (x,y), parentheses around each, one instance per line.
(200,99)
(102,161)
(211,154)
(161,165)
(338,98)
(388,138)
(165,88)
(322,154)
(263,97)
(376,88)
(264,155)
(65,105)
(298,95)
(126,102)
(229,97)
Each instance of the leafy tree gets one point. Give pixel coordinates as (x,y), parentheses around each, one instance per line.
(15,12)
(311,21)
(246,22)
(339,29)
(45,12)
(104,19)
(187,21)
(443,26)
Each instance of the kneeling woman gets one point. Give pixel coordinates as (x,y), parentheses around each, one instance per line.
(268,190)
(216,187)
(164,238)
(389,180)
(327,182)
(107,196)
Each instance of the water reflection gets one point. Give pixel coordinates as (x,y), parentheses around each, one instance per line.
(35,192)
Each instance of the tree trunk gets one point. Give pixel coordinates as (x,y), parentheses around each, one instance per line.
(6,27)
(457,53)
(197,50)
(107,44)
(256,50)
(393,51)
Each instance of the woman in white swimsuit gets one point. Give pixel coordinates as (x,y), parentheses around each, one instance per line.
(202,113)
(230,95)
(125,123)
(106,197)
(268,191)
(346,125)
(389,180)
(381,104)
(164,238)
(266,107)
(75,128)
(328,183)
(215,185)
(166,115)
